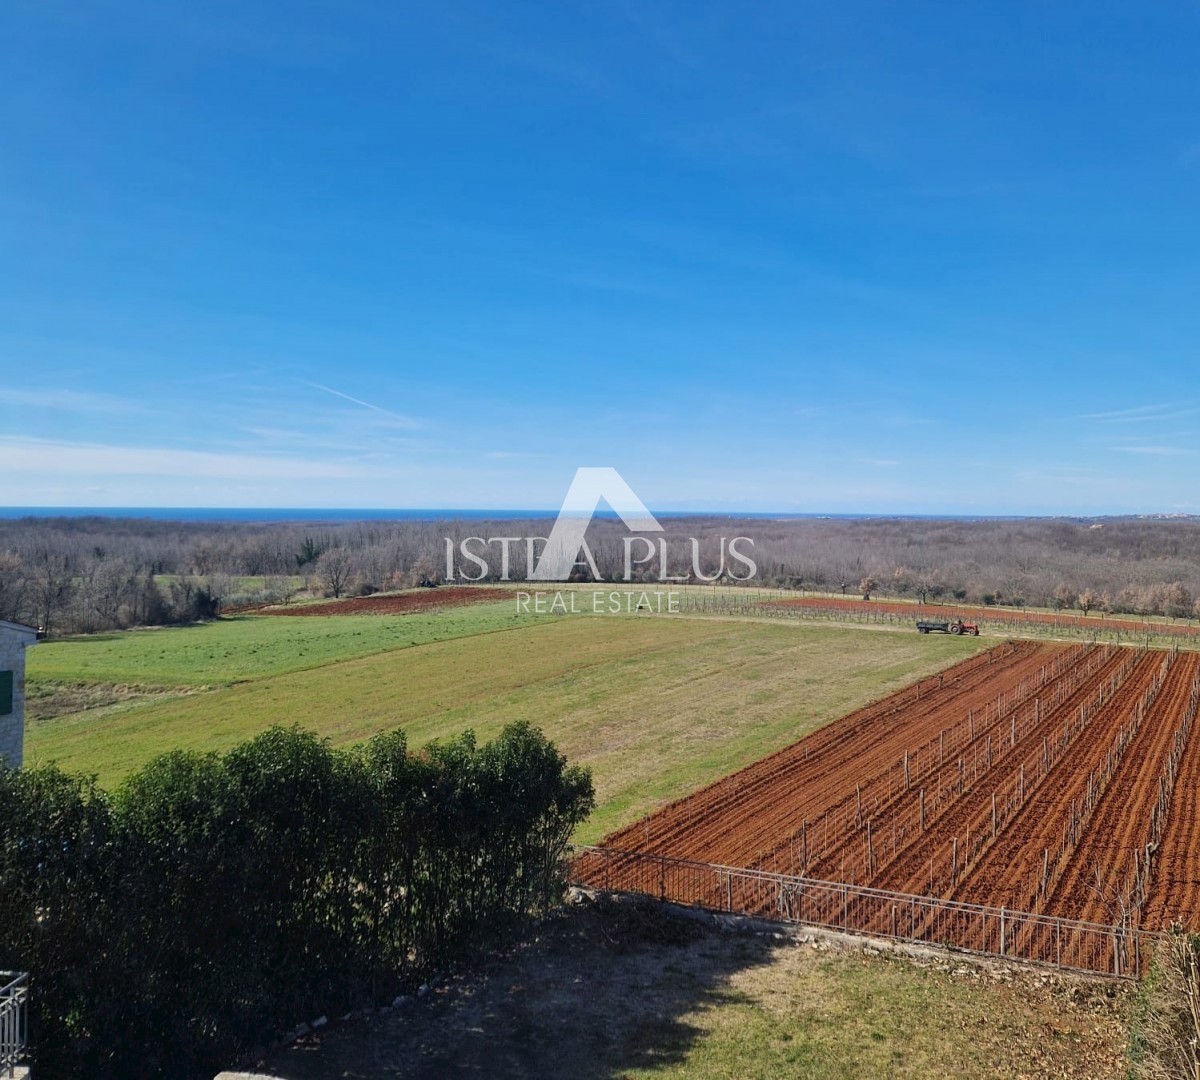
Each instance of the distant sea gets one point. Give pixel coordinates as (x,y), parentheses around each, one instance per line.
(316,515)
(269,513)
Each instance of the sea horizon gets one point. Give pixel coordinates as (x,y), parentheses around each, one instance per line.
(343,515)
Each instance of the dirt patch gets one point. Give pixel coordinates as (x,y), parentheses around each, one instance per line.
(611,987)
(397,604)
(48,700)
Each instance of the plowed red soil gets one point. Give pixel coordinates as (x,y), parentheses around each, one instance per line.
(1037,751)
(738,820)
(999,615)
(1014,860)
(909,871)
(1175,887)
(1118,827)
(400,604)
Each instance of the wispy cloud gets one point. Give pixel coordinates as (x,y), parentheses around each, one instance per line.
(66,400)
(1065,474)
(1156,451)
(1143,414)
(405,421)
(35,457)
(228,376)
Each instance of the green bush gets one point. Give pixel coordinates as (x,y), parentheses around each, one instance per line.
(212,902)
(1165,1029)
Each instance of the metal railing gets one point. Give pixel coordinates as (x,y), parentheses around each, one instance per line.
(14,1019)
(1119,950)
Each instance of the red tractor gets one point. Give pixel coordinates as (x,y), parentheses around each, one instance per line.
(955,627)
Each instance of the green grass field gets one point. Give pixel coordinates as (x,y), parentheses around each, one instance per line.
(656,706)
(246,647)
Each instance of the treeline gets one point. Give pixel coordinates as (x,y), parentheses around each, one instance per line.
(213,902)
(85,574)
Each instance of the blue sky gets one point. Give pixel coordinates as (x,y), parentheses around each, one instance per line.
(808,257)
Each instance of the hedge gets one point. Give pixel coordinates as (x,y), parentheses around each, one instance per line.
(212,902)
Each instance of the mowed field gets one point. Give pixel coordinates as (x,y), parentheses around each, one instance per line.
(656,705)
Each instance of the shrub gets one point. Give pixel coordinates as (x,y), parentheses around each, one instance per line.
(1166,1028)
(212,901)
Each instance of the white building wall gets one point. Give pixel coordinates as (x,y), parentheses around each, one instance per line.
(12,727)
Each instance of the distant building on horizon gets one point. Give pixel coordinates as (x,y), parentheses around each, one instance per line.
(14,640)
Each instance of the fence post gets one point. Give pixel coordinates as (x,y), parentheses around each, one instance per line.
(942,920)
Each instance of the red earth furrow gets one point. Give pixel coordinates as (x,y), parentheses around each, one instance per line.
(997,871)
(1120,823)
(913,861)
(1175,889)
(1013,860)
(908,872)
(630,873)
(857,608)
(959,679)
(942,778)
(835,743)
(727,821)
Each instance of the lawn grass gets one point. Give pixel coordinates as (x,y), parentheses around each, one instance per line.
(244,647)
(656,706)
(850,1016)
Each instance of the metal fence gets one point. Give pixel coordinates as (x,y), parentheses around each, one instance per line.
(14,1019)
(1069,944)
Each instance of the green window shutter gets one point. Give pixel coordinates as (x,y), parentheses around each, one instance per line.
(6,693)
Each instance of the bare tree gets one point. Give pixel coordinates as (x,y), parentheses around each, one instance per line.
(1064,596)
(14,586)
(52,582)
(335,568)
(1177,601)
